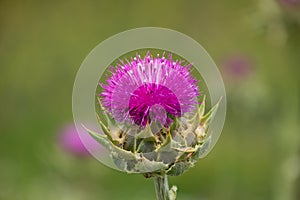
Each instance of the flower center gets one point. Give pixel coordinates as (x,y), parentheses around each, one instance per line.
(155,99)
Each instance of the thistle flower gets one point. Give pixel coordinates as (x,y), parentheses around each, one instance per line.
(136,88)
(140,94)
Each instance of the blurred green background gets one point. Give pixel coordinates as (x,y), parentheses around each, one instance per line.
(42,45)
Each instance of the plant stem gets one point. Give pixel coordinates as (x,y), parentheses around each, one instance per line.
(161,187)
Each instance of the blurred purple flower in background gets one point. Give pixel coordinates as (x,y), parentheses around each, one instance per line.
(237,67)
(290,2)
(69,140)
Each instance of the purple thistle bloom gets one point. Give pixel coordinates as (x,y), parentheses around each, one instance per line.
(157,86)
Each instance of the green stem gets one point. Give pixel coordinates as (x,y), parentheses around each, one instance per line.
(161,187)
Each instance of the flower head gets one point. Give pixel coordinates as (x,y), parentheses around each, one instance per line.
(145,90)
(150,88)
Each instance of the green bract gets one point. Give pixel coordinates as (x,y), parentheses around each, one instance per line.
(171,151)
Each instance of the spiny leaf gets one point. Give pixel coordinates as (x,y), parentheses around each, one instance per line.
(166,145)
(200,133)
(146,146)
(201,149)
(146,132)
(192,125)
(178,140)
(174,124)
(201,109)
(145,165)
(210,114)
(186,150)
(122,157)
(102,139)
(108,118)
(121,163)
(111,124)
(195,119)
(179,168)
(104,128)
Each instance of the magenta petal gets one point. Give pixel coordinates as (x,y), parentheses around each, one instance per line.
(135,87)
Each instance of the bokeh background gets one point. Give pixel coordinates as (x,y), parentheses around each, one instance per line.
(256,45)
